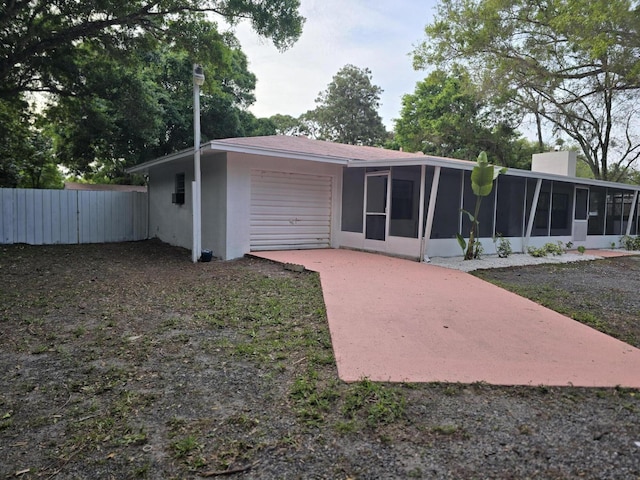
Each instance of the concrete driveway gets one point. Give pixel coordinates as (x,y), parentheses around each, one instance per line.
(397,320)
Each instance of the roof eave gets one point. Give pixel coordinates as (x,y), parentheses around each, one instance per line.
(468,165)
(222,146)
(144,167)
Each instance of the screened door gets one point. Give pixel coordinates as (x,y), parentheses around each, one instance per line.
(376,206)
(581,215)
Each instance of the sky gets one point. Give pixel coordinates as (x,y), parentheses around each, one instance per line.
(375,34)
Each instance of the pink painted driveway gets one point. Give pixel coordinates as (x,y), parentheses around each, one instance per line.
(397,320)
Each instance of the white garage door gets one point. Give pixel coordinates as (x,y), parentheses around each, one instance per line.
(290,211)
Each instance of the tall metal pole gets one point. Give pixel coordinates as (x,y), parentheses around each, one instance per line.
(198,79)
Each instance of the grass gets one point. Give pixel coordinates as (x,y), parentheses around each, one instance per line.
(157,368)
(591,305)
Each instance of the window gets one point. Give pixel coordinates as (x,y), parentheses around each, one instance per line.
(446,217)
(510,205)
(541,219)
(405,201)
(352,199)
(178,196)
(561,209)
(402,200)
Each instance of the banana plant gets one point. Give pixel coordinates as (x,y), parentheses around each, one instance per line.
(482,178)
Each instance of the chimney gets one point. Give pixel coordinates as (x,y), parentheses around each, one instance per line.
(558,163)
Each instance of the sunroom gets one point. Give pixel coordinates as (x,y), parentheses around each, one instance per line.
(414,208)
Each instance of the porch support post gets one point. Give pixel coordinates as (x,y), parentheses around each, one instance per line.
(430,213)
(632,212)
(532,213)
(423,172)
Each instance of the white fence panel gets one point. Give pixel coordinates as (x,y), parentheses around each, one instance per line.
(6,215)
(44,217)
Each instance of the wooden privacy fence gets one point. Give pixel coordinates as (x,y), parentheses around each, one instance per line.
(45,217)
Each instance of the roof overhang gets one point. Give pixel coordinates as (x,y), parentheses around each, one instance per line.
(144,167)
(468,165)
(224,146)
(231,147)
(221,146)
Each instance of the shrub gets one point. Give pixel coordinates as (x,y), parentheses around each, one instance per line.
(537,252)
(630,243)
(503,248)
(555,248)
(548,248)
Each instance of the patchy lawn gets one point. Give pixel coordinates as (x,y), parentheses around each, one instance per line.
(128,361)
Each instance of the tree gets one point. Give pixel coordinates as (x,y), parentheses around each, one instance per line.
(288,125)
(129,112)
(572,64)
(26,155)
(446,116)
(39,39)
(118,75)
(14,140)
(347,111)
(39,168)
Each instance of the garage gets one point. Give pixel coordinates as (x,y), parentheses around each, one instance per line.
(289,211)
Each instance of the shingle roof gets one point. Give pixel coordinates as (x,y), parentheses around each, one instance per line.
(304,145)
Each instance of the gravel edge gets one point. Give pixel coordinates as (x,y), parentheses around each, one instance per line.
(514,260)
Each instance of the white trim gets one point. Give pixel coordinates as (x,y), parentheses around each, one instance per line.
(222,146)
(435,183)
(423,174)
(532,213)
(631,213)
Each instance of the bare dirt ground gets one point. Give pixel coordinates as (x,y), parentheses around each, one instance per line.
(127,361)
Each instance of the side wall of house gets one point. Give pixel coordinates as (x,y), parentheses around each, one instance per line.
(214,204)
(168,221)
(239,168)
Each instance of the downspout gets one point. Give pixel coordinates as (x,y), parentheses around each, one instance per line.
(532,214)
(430,213)
(632,213)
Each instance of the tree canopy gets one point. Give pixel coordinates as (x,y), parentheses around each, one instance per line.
(118,79)
(347,111)
(446,116)
(132,113)
(572,64)
(39,39)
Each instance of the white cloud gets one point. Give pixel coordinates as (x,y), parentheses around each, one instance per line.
(379,35)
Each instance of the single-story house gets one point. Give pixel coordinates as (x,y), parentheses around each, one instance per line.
(284,192)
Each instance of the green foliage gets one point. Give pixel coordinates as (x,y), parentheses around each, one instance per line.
(569,65)
(547,249)
(129,112)
(630,243)
(378,404)
(581,249)
(446,116)
(503,246)
(288,125)
(26,153)
(482,178)
(40,40)
(347,111)
(120,91)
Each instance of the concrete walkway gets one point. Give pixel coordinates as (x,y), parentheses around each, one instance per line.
(398,320)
